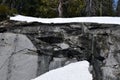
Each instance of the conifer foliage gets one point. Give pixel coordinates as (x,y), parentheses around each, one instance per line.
(58,8)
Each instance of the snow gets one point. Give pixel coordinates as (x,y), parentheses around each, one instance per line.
(73,71)
(63,45)
(104,20)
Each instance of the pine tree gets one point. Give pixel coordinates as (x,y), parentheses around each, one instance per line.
(99,8)
(62,8)
(74,8)
(108,9)
(118,9)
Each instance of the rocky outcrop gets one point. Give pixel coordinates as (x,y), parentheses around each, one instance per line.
(57,45)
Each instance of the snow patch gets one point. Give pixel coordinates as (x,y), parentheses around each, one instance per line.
(73,71)
(63,45)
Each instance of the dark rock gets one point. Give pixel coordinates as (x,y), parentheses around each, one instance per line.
(100,58)
(2,30)
(67,53)
(51,39)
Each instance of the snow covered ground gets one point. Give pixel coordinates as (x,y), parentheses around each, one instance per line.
(104,20)
(73,71)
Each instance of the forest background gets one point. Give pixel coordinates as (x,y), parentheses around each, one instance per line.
(59,8)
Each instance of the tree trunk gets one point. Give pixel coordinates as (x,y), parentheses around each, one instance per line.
(90,8)
(101,8)
(60,8)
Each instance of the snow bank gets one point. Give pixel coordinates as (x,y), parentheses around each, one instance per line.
(104,20)
(73,71)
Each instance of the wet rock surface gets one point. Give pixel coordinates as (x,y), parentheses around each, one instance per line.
(57,45)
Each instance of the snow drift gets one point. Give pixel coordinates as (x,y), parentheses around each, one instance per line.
(103,20)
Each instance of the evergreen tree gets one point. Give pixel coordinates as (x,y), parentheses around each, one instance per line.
(61,8)
(74,8)
(99,8)
(118,9)
(107,8)
(47,8)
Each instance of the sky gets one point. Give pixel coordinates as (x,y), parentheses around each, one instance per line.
(115,4)
(116,1)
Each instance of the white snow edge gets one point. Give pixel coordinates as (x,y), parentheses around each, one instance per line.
(103,20)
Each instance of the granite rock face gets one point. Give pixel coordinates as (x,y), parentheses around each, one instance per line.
(56,45)
(16,61)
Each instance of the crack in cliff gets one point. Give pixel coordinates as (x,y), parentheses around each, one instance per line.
(10,59)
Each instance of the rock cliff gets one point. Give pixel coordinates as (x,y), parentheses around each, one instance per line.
(28,50)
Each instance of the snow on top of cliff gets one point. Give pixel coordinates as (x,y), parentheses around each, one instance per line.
(104,20)
(73,71)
